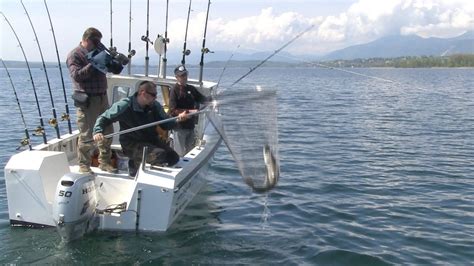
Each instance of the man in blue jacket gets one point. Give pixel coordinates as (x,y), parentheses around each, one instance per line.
(139,109)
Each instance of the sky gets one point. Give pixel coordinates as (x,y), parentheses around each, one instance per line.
(243,25)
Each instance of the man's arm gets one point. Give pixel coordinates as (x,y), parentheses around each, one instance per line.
(110,115)
(79,68)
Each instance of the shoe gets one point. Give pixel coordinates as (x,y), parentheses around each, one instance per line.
(108,168)
(84,169)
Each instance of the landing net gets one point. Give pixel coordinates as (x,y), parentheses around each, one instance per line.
(246,119)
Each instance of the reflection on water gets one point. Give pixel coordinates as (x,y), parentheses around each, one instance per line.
(371,173)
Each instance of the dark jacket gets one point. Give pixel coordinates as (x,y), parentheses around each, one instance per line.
(129,114)
(184,98)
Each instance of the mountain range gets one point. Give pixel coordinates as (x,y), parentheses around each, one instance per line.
(410,45)
(385,47)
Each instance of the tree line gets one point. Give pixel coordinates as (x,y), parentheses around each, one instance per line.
(458,60)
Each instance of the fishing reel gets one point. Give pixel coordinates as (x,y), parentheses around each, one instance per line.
(187,52)
(65,117)
(206,50)
(24,142)
(107,60)
(146,39)
(38,131)
(53,122)
(131,54)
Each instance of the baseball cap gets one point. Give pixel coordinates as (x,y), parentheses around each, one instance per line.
(180,71)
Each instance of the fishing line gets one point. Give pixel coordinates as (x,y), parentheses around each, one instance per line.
(26,140)
(186,52)
(273,54)
(204,50)
(330,67)
(225,66)
(395,82)
(40,129)
(54,121)
(65,116)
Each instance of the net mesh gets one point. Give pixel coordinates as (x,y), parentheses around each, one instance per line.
(246,119)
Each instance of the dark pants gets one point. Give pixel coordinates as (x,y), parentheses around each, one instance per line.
(158,154)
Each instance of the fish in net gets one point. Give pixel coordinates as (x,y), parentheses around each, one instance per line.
(246,119)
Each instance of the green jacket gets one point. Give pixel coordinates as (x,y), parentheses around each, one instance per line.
(129,114)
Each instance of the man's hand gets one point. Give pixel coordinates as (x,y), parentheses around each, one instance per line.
(98,137)
(183,116)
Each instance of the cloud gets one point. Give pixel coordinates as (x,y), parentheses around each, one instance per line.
(264,30)
(363,21)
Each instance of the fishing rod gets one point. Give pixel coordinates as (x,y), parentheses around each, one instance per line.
(186,52)
(225,66)
(65,116)
(129,67)
(40,129)
(26,140)
(166,41)
(54,121)
(318,64)
(273,54)
(111,39)
(145,37)
(204,50)
(125,131)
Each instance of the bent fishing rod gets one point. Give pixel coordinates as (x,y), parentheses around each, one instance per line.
(186,52)
(204,50)
(125,131)
(273,54)
(65,116)
(40,129)
(26,140)
(54,121)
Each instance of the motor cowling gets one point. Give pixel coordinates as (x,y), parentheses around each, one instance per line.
(74,205)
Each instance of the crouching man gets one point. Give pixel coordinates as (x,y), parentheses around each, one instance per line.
(139,109)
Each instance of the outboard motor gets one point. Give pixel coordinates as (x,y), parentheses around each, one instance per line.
(74,206)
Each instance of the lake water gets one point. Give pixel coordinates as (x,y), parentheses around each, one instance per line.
(372,173)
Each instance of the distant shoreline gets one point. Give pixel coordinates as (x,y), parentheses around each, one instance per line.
(453,61)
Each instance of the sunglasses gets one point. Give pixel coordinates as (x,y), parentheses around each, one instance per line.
(151,94)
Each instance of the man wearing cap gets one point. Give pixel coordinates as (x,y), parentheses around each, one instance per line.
(184,98)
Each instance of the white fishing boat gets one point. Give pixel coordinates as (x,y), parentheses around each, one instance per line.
(45,188)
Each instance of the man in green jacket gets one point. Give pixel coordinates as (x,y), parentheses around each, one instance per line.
(139,109)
